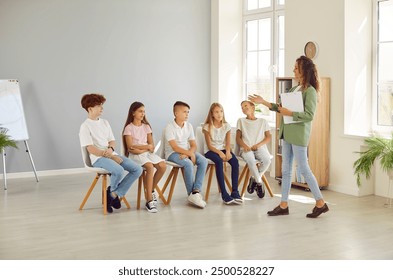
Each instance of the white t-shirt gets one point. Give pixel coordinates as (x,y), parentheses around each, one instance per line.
(253,131)
(182,136)
(217,136)
(97,133)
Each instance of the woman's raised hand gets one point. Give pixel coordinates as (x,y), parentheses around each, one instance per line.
(255,98)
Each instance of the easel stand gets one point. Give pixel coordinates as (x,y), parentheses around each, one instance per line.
(31,161)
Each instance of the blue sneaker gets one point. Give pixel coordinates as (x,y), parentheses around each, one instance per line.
(228,200)
(236,196)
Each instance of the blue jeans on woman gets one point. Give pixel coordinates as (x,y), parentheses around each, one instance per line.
(220,171)
(289,152)
(120,185)
(188,165)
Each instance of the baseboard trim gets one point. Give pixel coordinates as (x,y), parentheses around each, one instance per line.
(44,173)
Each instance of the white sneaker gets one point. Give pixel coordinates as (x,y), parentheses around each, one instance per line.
(155,197)
(151,207)
(197,200)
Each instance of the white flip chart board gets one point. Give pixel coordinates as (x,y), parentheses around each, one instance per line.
(12,116)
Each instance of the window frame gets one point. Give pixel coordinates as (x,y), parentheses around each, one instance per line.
(273,12)
(380,129)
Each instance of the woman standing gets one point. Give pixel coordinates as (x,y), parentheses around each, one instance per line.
(296,136)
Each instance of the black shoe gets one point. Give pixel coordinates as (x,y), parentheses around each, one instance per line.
(318,211)
(251,185)
(115,203)
(260,190)
(108,201)
(278,211)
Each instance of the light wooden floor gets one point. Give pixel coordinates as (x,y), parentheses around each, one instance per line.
(42,221)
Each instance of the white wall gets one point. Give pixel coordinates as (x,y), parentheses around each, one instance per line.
(226,48)
(155,52)
(358,67)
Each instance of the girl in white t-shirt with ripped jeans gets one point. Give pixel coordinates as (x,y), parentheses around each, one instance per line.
(252,135)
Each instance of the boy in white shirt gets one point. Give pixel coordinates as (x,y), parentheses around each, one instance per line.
(252,135)
(180,148)
(96,136)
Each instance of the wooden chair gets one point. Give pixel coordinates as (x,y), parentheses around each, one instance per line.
(141,182)
(245,173)
(172,177)
(211,167)
(99,172)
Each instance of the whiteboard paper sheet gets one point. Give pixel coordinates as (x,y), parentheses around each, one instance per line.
(12,116)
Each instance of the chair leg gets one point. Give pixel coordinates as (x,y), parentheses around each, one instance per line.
(125,202)
(168,180)
(104,177)
(175,171)
(269,189)
(93,184)
(211,169)
(246,179)
(241,177)
(228,183)
(140,185)
(161,195)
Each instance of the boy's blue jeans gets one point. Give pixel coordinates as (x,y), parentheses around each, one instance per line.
(201,163)
(120,185)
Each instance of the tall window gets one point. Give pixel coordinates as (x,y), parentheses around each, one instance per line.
(383,107)
(263,48)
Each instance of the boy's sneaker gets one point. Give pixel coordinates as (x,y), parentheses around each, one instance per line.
(228,200)
(236,196)
(151,207)
(251,185)
(114,202)
(154,195)
(260,190)
(197,200)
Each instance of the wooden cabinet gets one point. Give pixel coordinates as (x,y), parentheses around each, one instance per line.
(318,148)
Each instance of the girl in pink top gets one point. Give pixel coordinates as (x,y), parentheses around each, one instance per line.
(139,146)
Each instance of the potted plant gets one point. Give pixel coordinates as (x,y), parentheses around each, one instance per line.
(5,140)
(377,148)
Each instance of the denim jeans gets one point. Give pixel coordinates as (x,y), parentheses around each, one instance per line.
(220,171)
(120,185)
(201,163)
(262,155)
(289,152)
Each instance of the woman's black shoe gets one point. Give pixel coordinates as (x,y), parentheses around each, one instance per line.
(278,211)
(318,211)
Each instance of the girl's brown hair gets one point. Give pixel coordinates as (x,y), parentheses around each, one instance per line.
(130,118)
(209,119)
